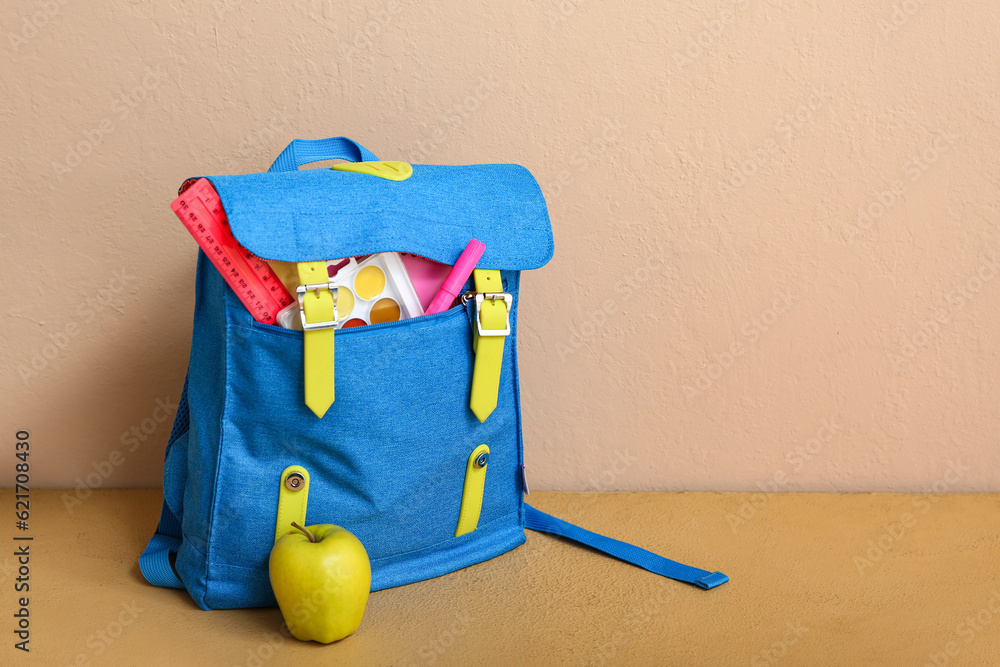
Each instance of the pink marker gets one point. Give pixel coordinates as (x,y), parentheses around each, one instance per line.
(456,277)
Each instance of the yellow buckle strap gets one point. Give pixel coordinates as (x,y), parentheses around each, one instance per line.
(492,327)
(293,497)
(472,493)
(318,308)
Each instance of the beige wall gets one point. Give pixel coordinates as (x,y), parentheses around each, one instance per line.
(776,221)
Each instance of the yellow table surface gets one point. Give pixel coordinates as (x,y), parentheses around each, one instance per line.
(816,579)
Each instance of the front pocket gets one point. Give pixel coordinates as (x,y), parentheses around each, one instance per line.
(366,330)
(388,459)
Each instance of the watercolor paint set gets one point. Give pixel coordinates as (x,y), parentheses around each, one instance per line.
(375,290)
(390,286)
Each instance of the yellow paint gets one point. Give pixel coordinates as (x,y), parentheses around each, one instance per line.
(384,310)
(369,282)
(345,302)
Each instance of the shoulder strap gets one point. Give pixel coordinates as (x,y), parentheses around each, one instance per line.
(647,560)
(155,560)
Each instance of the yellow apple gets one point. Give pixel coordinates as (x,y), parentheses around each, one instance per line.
(321,577)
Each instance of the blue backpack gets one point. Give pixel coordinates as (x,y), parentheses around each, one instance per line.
(398,459)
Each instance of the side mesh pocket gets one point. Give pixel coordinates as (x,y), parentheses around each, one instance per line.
(175,462)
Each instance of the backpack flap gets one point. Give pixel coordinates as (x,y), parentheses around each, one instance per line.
(321,214)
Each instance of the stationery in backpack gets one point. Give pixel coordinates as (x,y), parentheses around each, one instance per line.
(419,450)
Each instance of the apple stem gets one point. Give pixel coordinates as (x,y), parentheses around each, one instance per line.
(312,538)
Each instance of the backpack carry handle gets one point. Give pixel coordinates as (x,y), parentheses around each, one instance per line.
(304,151)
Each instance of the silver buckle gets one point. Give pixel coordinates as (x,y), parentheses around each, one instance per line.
(492,296)
(300,293)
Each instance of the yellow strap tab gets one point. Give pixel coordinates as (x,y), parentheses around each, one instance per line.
(293,496)
(472,494)
(317,345)
(488,349)
(392,170)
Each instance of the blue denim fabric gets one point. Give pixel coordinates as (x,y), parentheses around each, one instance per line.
(301,216)
(388,459)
